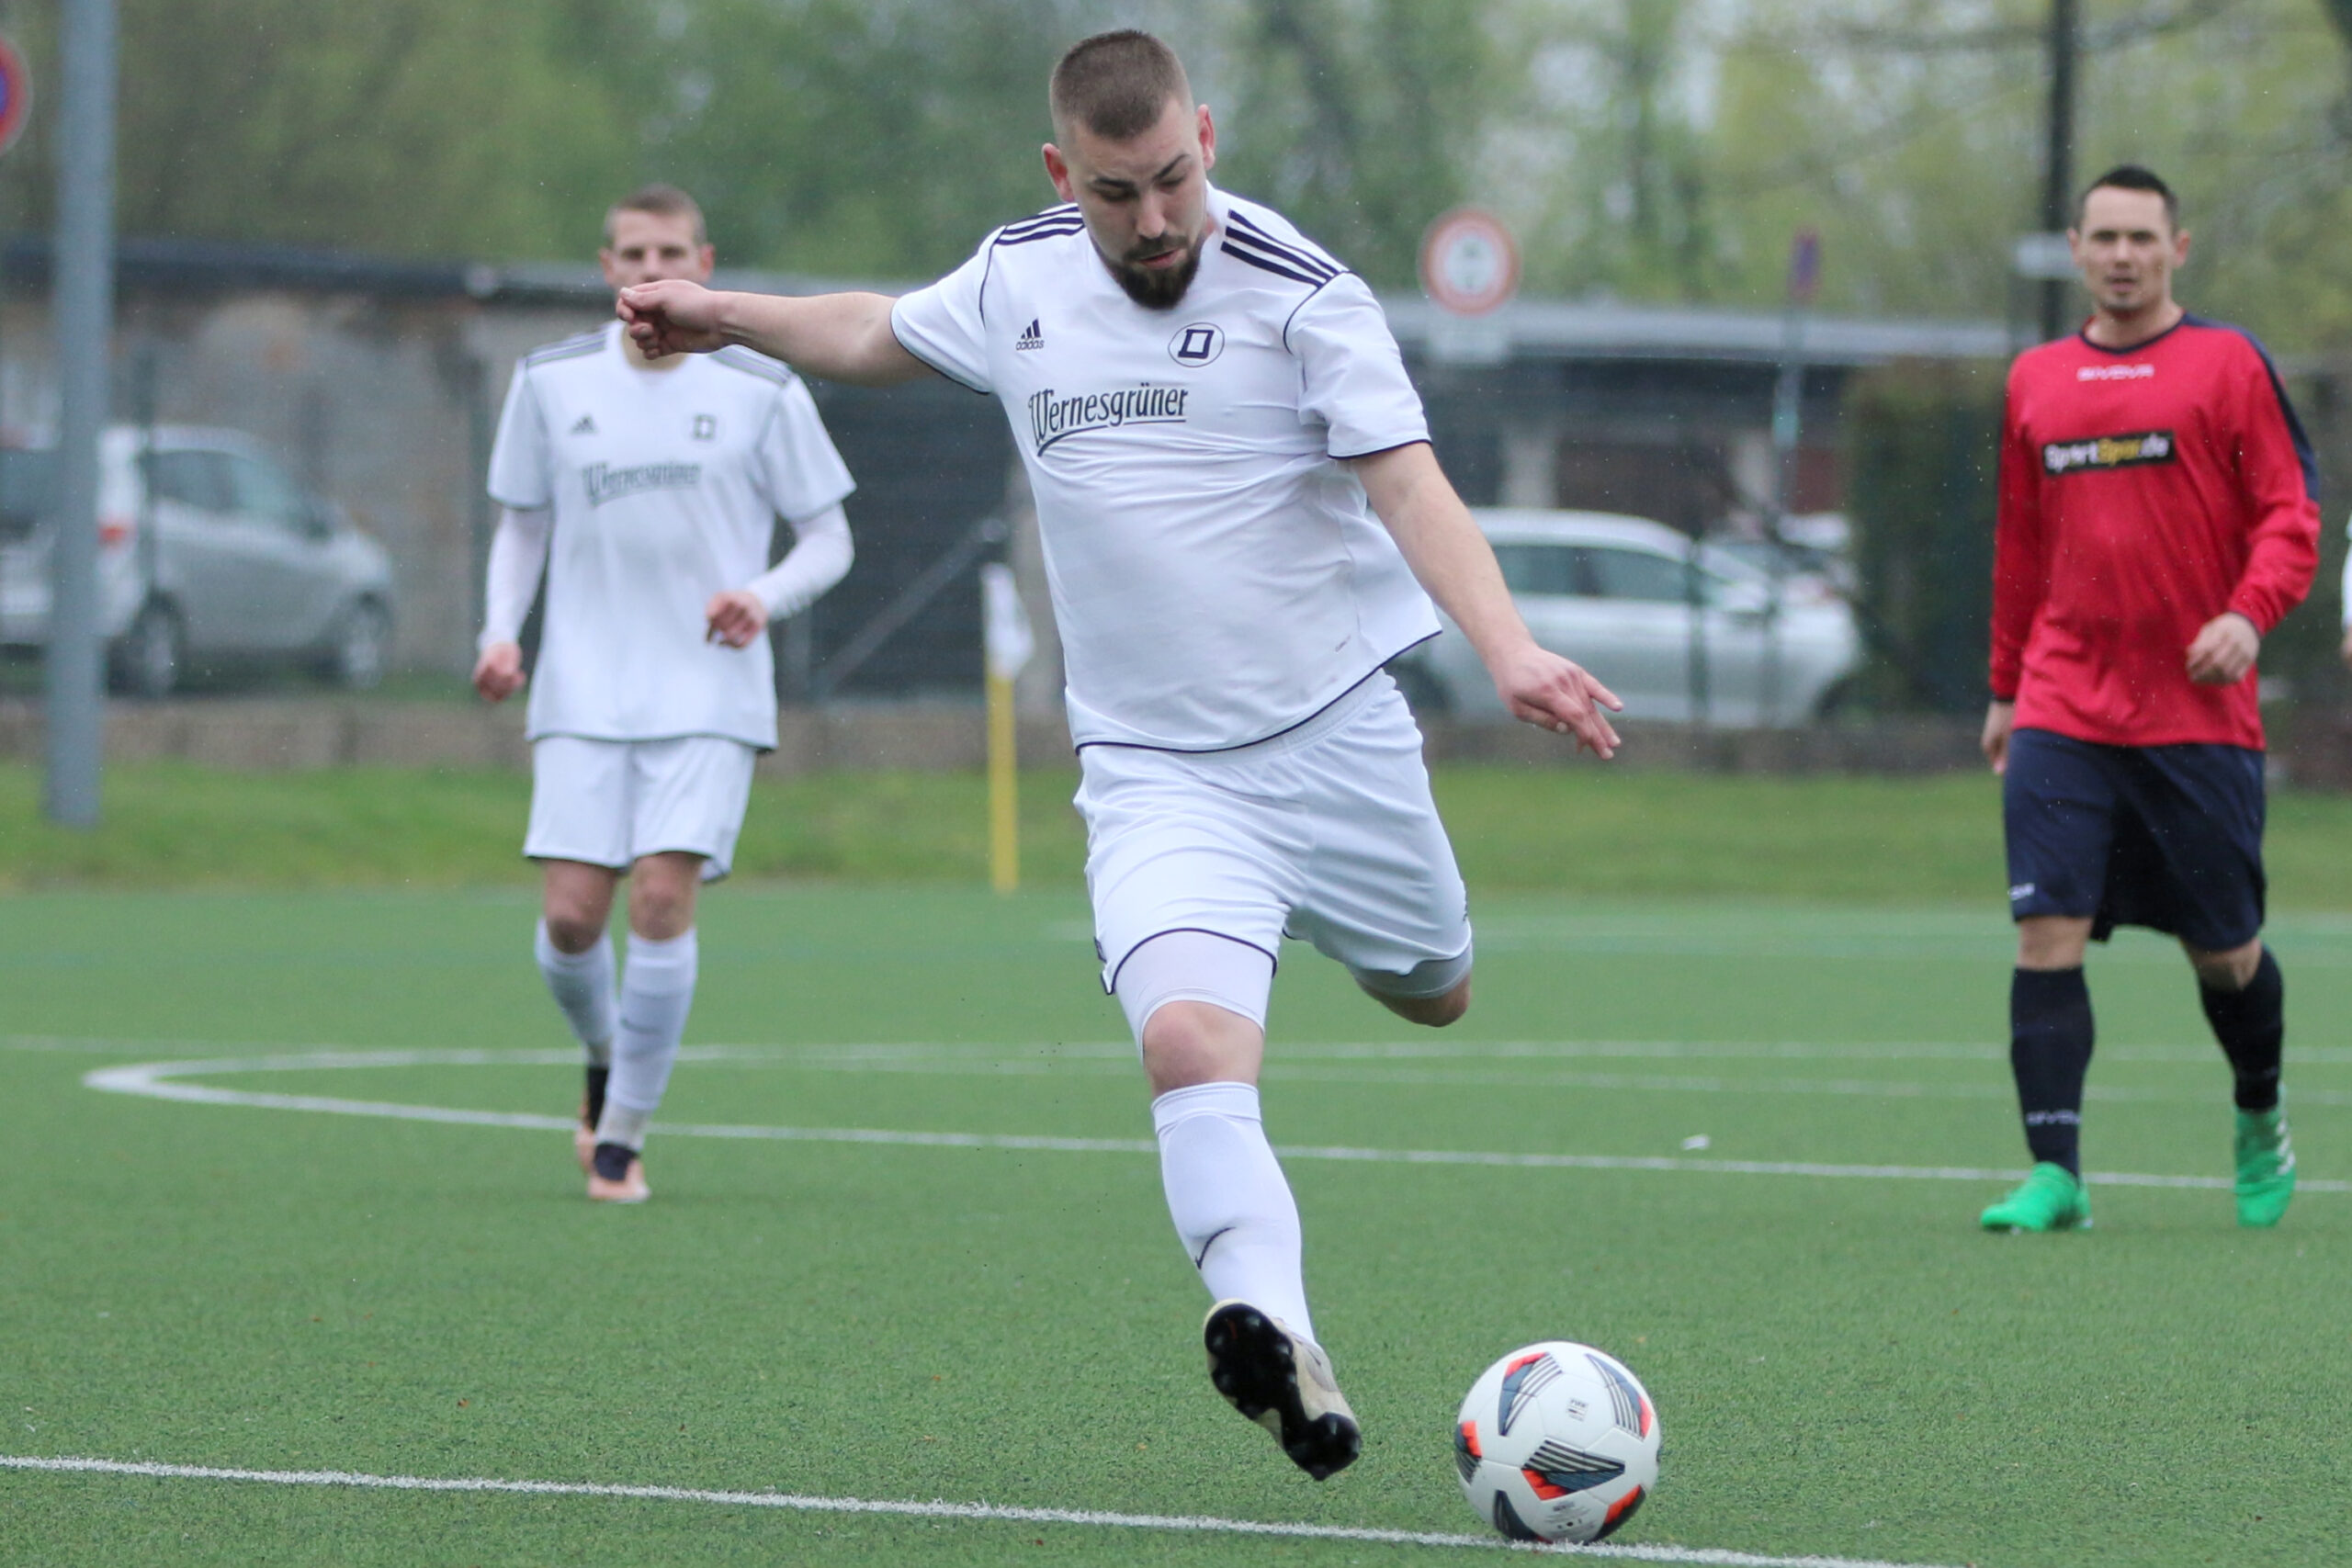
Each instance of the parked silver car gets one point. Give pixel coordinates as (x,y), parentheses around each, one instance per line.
(1634,602)
(208,554)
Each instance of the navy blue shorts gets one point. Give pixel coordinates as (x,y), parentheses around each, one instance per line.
(2167,837)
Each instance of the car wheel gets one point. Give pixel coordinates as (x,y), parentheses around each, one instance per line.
(151,657)
(363,644)
(1422,693)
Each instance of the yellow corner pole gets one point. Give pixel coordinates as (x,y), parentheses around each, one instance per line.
(1004,789)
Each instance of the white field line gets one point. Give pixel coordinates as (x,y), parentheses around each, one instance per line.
(987,1512)
(155,1080)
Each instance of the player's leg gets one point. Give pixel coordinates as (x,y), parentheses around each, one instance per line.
(575,951)
(1382,894)
(1197,1004)
(2058,812)
(579,836)
(657,995)
(687,799)
(2210,801)
(1188,872)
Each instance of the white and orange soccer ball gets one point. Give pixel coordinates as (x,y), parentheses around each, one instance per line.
(1556,1441)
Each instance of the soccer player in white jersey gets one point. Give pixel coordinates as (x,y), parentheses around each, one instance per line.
(1235,495)
(649,490)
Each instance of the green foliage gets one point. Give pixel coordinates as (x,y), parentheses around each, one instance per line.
(1358,119)
(1652,148)
(438,127)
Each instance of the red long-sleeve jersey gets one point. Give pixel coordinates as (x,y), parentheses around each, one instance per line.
(2142,493)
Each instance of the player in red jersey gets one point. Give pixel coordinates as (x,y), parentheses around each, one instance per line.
(2158,516)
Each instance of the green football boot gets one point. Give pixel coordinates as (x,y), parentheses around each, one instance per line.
(2266,1166)
(2051,1197)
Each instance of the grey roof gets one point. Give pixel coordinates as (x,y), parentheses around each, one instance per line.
(1524,329)
(1559,329)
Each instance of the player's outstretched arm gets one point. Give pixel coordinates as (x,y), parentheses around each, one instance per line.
(1453,561)
(842,337)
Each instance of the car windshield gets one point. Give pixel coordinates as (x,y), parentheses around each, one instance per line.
(28,483)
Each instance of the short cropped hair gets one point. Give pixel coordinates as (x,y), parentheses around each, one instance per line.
(2130,176)
(662,202)
(1117,84)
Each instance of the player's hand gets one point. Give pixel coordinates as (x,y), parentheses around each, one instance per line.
(673,316)
(735,617)
(1540,688)
(2223,650)
(1998,719)
(498,673)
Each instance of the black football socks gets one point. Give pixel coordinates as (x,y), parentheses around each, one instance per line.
(595,1110)
(2252,1027)
(2049,1053)
(612,1161)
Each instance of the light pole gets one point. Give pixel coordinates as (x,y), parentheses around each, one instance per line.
(82,291)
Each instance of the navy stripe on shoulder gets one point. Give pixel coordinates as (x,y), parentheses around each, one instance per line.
(1266,264)
(1054,232)
(567,348)
(2303,452)
(1059,214)
(735,356)
(1301,254)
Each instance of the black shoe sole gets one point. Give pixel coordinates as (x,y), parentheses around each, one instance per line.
(1251,1364)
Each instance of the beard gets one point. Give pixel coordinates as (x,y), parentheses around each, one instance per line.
(1157,287)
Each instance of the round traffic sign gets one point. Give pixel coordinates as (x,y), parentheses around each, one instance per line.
(16,95)
(1469,262)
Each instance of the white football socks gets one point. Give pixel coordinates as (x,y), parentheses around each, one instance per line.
(582,984)
(656,991)
(1231,1204)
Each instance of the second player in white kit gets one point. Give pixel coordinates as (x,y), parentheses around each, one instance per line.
(650,493)
(1240,515)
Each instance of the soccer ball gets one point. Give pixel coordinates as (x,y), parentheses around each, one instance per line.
(1556,1442)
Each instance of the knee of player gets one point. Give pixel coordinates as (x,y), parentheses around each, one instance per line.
(2231,969)
(572,929)
(1451,1008)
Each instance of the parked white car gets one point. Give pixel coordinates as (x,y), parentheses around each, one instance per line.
(1643,609)
(208,554)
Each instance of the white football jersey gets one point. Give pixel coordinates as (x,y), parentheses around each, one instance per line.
(1216,575)
(666,485)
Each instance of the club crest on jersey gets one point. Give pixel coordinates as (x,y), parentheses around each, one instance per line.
(1054,418)
(1199,344)
(1030,338)
(2107,452)
(604,482)
(706,427)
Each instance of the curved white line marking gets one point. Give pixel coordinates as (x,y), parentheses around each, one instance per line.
(154,1081)
(1182,1523)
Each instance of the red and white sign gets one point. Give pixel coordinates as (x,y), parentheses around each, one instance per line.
(16,95)
(1469,262)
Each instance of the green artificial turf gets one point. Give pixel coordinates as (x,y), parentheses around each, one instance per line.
(1579,828)
(1842,1366)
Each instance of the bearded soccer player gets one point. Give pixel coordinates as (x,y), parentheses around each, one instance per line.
(649,490)
(2158,515)
(1235,495)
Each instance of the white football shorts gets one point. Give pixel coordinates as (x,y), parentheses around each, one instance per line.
(1326,833)
(610,802)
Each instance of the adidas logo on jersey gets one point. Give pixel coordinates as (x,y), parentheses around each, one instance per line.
(1030,338)
(587,425)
